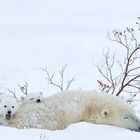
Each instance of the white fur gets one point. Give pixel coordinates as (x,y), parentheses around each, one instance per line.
(8,107)
(64,108)
(34,97)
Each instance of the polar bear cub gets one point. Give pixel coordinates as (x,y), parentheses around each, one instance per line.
(34,97)
(8,107)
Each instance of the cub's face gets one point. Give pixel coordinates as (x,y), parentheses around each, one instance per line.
(35,97)
(8,107)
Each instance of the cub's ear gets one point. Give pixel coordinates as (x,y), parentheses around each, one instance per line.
(41,93)
(105,112)
(22,98)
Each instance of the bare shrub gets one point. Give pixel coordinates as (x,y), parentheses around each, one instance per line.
(122,76)
(22,87)
(59,82)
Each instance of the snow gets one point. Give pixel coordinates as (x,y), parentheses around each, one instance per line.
(79,131)
(50,33)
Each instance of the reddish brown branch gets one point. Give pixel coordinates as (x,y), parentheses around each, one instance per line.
(129,75)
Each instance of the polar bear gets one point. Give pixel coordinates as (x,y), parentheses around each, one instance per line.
(8,107)
(33,97)
(64,108)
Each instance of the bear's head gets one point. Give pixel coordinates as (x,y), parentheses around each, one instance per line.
(34,97)
(121,115)
(8,107)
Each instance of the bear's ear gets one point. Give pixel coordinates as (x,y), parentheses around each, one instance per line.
(105,112)
(22,98)
(41,93)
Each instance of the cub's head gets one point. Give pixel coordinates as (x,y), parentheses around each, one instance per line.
(34,97)
(8,107)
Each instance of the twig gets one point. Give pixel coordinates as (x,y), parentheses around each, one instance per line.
(24,88)
(62,85)
(13,92)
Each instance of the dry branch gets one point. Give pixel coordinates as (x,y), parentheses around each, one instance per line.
(128,78)
(24,88)
(61,84)
(13,92)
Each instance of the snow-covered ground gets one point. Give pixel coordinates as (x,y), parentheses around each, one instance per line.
(79,131)
(35,34)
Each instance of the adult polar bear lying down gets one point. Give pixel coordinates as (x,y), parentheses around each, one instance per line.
(64,108)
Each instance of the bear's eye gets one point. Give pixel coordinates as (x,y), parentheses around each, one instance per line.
(31,98)
(12,106)
(105,113)
(125,117)
(5,106)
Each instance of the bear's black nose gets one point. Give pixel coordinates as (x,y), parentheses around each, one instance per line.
(9,112)
(38,100)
